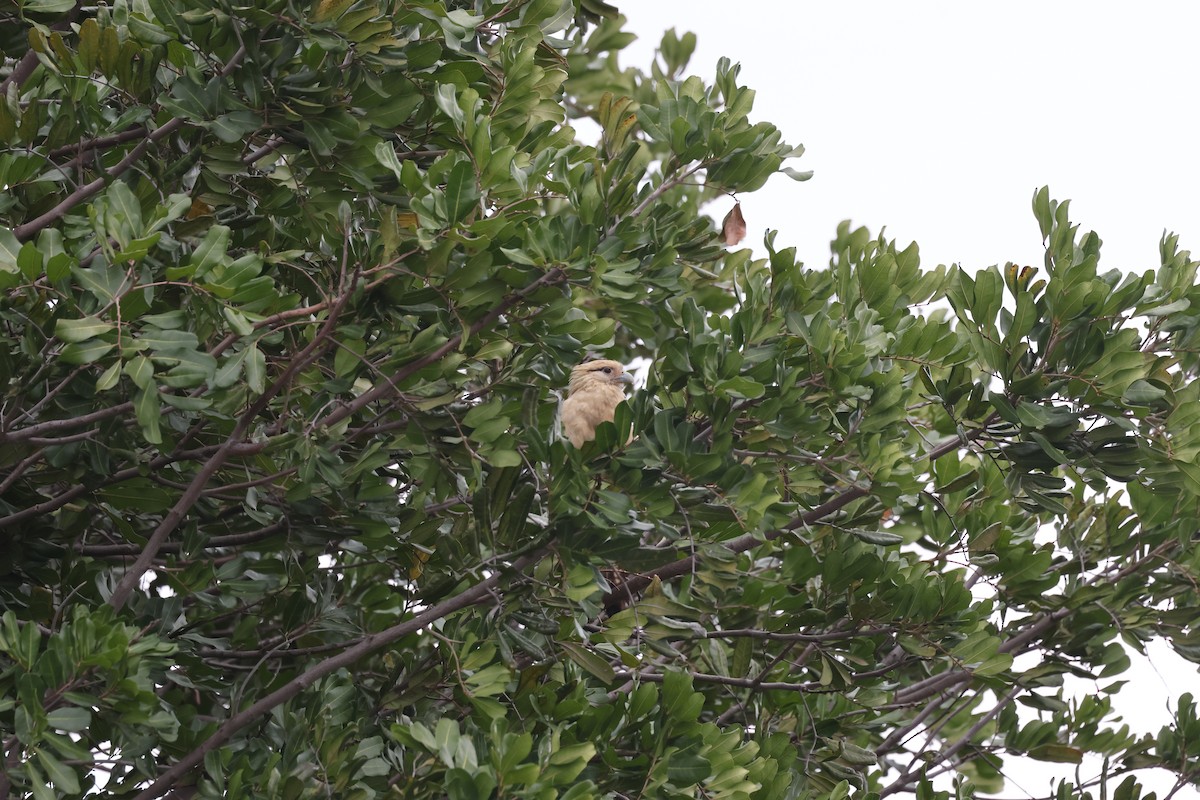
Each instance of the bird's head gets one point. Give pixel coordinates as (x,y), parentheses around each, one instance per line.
(594,374)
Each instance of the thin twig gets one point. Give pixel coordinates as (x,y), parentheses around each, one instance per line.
(659,191)
(810,687)
(909,775)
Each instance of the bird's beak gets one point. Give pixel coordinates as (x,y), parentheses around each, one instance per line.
(627,378)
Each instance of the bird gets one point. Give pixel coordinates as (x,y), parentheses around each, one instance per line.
(595,391)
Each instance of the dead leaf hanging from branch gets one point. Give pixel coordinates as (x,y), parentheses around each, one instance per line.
(733,227)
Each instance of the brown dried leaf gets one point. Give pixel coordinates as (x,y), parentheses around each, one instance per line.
(733,227)
(199,209)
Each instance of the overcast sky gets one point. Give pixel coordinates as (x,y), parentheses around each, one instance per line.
(938,120)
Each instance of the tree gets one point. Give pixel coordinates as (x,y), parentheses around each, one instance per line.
(288,294)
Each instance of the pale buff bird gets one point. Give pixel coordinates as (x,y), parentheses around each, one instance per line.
(596,388)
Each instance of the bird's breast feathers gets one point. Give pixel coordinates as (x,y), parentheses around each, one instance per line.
(595,392)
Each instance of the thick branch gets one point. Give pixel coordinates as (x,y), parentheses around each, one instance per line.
(171,520)
(369,645)
(100,142)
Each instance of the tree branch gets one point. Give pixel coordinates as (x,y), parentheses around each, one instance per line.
(638,583)
(29,61)
(369,645)
(552,277)
(99,142)
(29,229)
(754,633)
(811,687)
(52,425)
(171,520)
(659,191)
(909,775)
(229,540)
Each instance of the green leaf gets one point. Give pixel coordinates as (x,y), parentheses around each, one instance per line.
(687,769)
(348,357)
(105,283)
(237,321)
(884,538)
(138,494)
(968,478)
(235,126)
(567,762)
(210,253)
(168,341)
(446,736)
(47,7)
(1168,309)
(62,776)
(741,388)
(857,755)
(995,665)
(256,370)
(1142,393)
(29,261)
(1042,210)
(386,155)
(447,100)
(125,213)
(38,784)
(69,718)
(109,377)
(10,250)
(1059,753)
(461,192)
(85,352)
(146,408)
(518,256)
(80,330)
(590,661)
(230,370)
(679,701)
(141,371)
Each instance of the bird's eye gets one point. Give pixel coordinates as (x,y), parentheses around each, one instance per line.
(606,370)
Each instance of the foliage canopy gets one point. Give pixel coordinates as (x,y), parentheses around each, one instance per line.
(286,296)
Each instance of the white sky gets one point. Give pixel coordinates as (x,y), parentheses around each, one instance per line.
(938,120)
